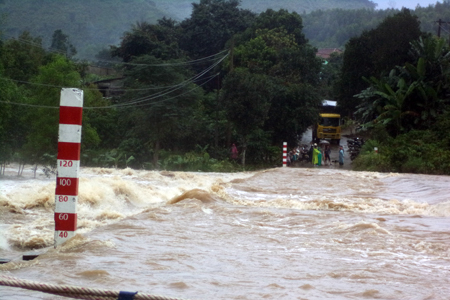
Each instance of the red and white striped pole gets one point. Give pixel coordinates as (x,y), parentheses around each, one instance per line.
(284,154)
(68,164)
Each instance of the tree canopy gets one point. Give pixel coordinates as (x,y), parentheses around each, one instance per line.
(374,53)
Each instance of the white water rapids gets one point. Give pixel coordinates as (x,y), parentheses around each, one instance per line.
(283,233)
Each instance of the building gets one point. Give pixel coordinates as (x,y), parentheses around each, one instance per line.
(325,53)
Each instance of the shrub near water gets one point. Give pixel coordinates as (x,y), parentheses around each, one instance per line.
(195,161)
(418,151)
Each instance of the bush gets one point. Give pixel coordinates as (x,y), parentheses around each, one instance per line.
(414,152)
(372,161)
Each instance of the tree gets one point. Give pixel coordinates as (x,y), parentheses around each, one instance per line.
(375,53)
(282,54)
(61,44)
(211,26)
(291,23)
(330,75)
(246,99)
(160,40)
(43,121)
(22,57)
(164,99)
(12,129)
(412,96)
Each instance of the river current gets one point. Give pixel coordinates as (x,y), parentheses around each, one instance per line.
(282,233)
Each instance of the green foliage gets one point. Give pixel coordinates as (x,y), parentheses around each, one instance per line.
(306,6)
(97,23)
(247,100)
(196,161)
(282,20)
(11,128)
(332,28)
(114,158)
(159,40)
(48,162)
(418,151)
(211,25)
(373,162)
(330,75)
(375,53)
(328,23)
(335,27)
(270,95)
(159,115)
(22,57)
(414,96)
(61,44)
(43,121)
(275,47)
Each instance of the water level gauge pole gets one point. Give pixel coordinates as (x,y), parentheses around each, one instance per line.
(68,164)
(284,154)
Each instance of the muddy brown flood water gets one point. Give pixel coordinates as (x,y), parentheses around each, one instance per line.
(283,233)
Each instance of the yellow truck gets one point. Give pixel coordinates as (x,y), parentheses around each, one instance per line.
(329,125)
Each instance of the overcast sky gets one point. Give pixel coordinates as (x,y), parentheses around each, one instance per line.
(383,4)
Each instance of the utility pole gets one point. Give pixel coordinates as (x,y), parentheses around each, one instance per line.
(232,55)
(439,28)
(440,23)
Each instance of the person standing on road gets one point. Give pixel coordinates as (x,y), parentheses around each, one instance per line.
(341,156)
(316,153)
(311,153)
(327,155)
(234,152)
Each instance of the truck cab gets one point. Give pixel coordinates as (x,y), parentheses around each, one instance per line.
(329,124)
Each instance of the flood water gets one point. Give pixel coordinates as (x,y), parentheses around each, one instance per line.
(282,233)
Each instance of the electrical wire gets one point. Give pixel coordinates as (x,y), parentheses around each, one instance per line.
(117,106)
(163,93)
(133,102)
(100,89)
(34,44)
(155,102)
(29,105)
(191,62)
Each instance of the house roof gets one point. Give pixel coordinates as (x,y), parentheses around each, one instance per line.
(325,53)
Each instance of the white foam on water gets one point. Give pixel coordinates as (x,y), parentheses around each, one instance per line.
(3,241)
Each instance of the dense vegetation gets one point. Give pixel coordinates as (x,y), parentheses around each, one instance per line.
(334,27)
(227,75)
(96,24)
(181,105)
(327,24)
(402,75)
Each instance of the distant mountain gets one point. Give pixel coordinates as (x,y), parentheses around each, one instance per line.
(181,9)
(90,24)
(95,24)
(306,6)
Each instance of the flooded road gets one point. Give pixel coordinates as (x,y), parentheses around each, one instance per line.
(283,233)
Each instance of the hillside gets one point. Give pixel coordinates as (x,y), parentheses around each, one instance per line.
(93,25)
(306,6)
(333,28)
(89,26)
(181,9)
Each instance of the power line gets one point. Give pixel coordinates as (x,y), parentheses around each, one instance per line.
(167,99)
(116,106)
(190,62)
(164,93)
(128,89)
(34,44)
(29,105)
(132,103)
